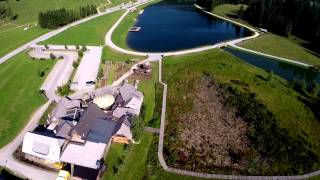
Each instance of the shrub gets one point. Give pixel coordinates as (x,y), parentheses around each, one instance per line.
(138,125)
(52,56)
(64,90)
(75,64)
(41,73)
(80,54)
(46,46)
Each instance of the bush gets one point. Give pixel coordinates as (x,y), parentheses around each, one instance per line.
(64,90)
(46,46)
(138,126)
(52,56)
(75,64)
(80,54)
(41,73)
(77,47)
(65,46)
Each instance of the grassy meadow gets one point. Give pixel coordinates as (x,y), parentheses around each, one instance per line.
(276,94)
(269,43)
(20,93)
(137,161)
(89,33)
(109,54)
(283,47)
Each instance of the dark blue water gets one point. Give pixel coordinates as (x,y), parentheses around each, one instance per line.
(171,27)
(285,70)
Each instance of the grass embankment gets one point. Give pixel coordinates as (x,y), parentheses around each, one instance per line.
(119,36)
(181,74)
(283,47)
(14,38)
(128,162)
(19,95)
(149,87)
(109,54)
(89,33)
(137,161)
(13,35)
(269,43)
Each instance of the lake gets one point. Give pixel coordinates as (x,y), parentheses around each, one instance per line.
(168,26)
(283,69)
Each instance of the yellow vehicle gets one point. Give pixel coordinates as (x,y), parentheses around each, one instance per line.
(63,175)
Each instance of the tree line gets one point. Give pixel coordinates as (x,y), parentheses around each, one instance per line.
(59,17)
(300,18)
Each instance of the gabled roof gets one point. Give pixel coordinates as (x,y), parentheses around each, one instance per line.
(64,129)
(89,119)
(121,111)
(124,131)
(127,91)
(101,131)
(63,106)
(42,146)
(85,155)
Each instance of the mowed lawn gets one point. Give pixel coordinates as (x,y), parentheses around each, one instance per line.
(148,86)
(270,43)
(19,97)
(111,55)
(89,33)
(281,100)
(12,36)
(133,158)
(283,47)
(28,10)
(16,37)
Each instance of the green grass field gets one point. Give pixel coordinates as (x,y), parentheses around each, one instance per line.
(148,86)
(17,37)
(112,55)
(28,10)
(281,100)
(89,33)
(19,93)
(14,36)
(228,10)
(270,43)
(134,159)
(283,47)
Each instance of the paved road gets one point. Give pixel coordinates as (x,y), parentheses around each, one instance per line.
(57,31)
(62,70)
(21,169)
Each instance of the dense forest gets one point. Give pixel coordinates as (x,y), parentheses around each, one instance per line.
(60,17)
(300,18)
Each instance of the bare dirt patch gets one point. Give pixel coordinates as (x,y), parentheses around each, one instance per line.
(210,136)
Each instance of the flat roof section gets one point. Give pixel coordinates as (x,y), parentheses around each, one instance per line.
(85,155)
